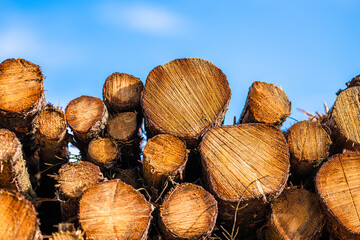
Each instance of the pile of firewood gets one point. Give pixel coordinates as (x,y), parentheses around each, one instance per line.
(194,179)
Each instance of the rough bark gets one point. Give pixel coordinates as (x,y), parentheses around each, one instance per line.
(103,152)
(188,212)
(115,210)
(87,117)
(164,156)
(265,103)
(337,184)
(295,214)
(121,92)
(309,145)
(18,217)
(13,171)
(245,167)
(185,98)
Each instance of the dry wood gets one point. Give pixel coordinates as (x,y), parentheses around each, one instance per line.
(17,217)
(122,92)
(185,98)
(22,95)
(103,152)
(188,212)
(114,210)
(123,127)
(343,119)
(309,145)
(295,214)
(130,176)
(67,231)
(164,156)
(265,103)
(87,117)
(338,184)
(246,164)
(13,171)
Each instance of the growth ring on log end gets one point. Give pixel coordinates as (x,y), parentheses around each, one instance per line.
(246,163)
(114,210)
(185,98)
(338,185)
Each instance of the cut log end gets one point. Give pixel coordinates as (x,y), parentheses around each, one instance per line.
(103,152)
(164,155)
(18,217)
(114,210)
(337,184)
(266,103)
(75,178)
(296,214)
(122,92)
(123,126)
(188,212)
(21,85)
(185,98)
(51,123)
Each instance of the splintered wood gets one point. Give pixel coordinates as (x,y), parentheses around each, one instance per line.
(185,98)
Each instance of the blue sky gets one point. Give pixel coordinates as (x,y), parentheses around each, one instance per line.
(309,48)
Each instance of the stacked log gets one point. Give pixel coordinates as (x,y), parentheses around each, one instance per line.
(103,152)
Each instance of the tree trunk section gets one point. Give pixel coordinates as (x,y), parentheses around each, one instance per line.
(295,214)
(115,210)
(67,231)
(185,98)
(121,92)
(164,156)
(103,152)
(18,217)
(13,171)
(265,103)
(245,167)
(337,184)
(188,212)
(87,118)
(309,145)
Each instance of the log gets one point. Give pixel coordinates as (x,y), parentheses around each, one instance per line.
(67,231)
(337,184)
(163,156)
(188,212)
(265,103)
(87,118)
(295,214)
(309,145)
(343,120)
(123,127)
(245,167)
(185,98)
(13,172)
(103,152)
(121,92)
(22,95)
(114,210)
(18,217)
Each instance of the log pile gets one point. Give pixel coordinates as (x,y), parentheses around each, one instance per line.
(194,179)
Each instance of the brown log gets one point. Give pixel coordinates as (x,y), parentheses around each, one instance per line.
(188,212)
(67,231)
(74,179)
(343,120)
(87,117)
(123,127)
(17,217)
(245,166)
(185,98)
(130,176)
(164,156)
(13,171)
(22,95)
(337,184)
(295,214)
(114,210)
(122,92)
(265,103)
(309,145)
(103,152)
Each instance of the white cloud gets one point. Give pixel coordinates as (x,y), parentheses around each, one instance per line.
(144,18)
